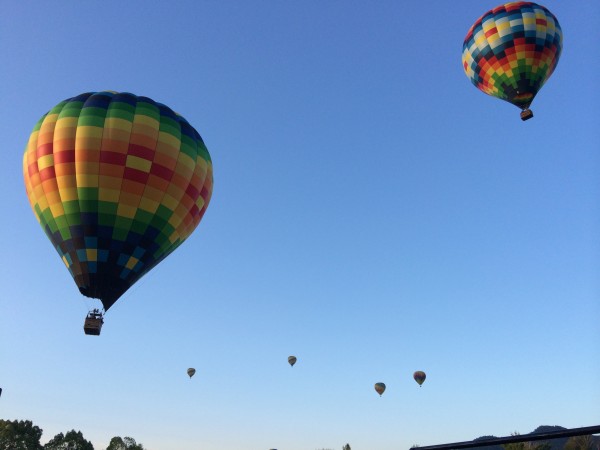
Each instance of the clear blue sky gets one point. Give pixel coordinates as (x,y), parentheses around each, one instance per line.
(373,214)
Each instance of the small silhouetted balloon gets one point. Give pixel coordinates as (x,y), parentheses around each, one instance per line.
(292,360)
(191,371)
(419,377)
(380,388)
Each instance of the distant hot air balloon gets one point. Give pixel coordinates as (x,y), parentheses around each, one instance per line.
(511,51)
(292,360)
(117,182)
(419,377)
(380,388)
(191,371)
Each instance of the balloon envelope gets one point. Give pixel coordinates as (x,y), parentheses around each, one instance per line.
(511,51)
(380,388)
(292,360)
(117,182)
(419,377)
(191,371)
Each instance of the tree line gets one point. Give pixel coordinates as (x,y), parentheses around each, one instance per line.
(586,442)
(24,435)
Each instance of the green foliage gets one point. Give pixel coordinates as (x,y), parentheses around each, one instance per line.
(346,447)
(126,443)
(73,440)
(19,435)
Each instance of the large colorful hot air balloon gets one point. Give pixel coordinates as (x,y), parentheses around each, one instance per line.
(292,360)
(380,388)
(511,51)
(117,182)
(419,377)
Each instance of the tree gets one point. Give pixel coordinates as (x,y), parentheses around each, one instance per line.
(585,442)
(73,440)
(19,435)
(526,445)
(346,447)
(126,443)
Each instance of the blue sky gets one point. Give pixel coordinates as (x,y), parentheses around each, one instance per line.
(373,214)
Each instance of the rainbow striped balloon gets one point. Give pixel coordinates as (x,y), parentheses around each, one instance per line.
(511,51)
(117,182)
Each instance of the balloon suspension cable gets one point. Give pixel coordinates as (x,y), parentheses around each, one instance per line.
(98,312)
(526,114)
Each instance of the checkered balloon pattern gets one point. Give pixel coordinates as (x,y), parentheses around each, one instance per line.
(117,182)
(512,50)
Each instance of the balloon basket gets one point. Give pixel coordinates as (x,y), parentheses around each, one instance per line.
(93,323)
(526,114)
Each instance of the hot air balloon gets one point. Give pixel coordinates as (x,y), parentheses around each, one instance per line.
(419,377)
(117,182)
(292,360)
(511,51)
(191,371)
(380,388)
